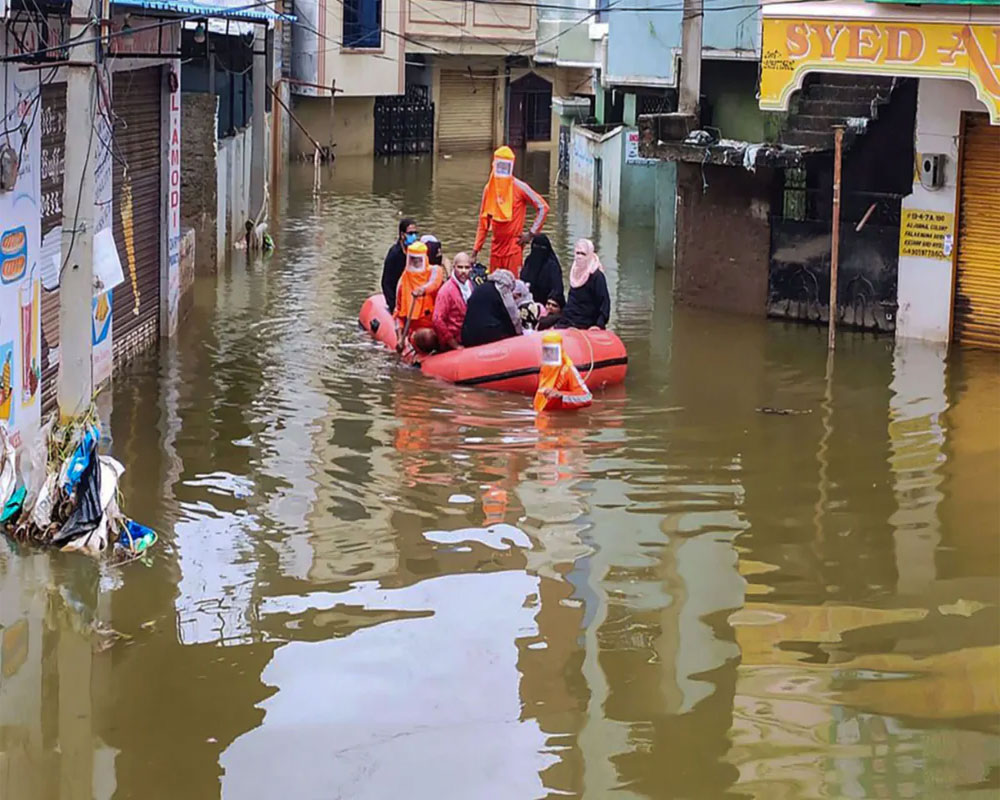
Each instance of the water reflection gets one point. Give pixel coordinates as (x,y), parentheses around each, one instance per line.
(372,584)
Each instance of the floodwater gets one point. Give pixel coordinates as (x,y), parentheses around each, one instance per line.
(370,585)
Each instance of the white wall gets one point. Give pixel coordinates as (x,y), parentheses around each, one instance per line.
(222,199)
(585,147)
(925,284)
(233,189)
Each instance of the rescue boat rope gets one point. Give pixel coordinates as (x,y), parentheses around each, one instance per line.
(591,348)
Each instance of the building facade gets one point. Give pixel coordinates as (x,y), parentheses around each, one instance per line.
(948,269)
(354,50)
(139,250)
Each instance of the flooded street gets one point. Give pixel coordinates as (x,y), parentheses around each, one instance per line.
(371,585)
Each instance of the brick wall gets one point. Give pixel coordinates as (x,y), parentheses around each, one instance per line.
(199,201)
(723,239)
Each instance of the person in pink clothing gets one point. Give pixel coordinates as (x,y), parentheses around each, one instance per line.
(449,308)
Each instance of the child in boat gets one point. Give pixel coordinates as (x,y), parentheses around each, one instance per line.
(530,311)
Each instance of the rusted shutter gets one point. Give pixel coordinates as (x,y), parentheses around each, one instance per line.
(465,115)
(977,282)
(136,302)
(53,130)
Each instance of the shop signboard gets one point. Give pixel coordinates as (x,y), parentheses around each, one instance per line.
(793,47)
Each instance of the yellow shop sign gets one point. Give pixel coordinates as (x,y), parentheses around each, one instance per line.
(794,47)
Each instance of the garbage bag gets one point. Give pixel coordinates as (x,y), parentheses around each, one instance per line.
(136,537)
(82,455)
(88,511)
(33,465)
(41,511)
(97,539)
(12,508)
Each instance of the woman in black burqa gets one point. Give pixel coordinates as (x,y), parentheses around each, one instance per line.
(491,313)
(543,273)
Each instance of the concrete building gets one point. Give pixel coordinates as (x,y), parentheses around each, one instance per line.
(358,46)
(139,256)
(217,96)
(464,53)
(949,223)
(639,74)
(915,246)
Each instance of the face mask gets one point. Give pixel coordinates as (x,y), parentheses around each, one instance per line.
(410,238)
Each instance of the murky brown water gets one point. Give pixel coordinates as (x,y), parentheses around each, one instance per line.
(372,585)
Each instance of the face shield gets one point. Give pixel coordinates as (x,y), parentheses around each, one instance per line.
(415,262)
(503,167)
(551,354)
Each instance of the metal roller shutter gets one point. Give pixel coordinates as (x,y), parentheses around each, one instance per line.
(465,113)
(53,122)
(977,282)
(136,99)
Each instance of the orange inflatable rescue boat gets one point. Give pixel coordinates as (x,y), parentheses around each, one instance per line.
(510,365)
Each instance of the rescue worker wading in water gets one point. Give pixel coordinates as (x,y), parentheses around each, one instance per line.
(560,387)
(503,210)
(415,296)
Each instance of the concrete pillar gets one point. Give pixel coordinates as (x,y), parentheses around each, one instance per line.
(258,160)
(689,97)
(75,385)
(631,109)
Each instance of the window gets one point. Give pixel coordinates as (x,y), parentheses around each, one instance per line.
(362,24)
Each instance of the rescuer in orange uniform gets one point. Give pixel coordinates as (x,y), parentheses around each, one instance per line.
(503,209)
(560,387)
(415,295)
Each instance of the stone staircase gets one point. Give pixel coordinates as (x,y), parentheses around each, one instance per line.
(829,99)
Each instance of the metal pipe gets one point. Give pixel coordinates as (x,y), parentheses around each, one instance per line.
(838,133)
(865,218)
(296,82)
(293,118)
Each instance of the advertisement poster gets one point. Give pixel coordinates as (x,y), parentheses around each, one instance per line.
(100,337)
(632,149)
(20,371)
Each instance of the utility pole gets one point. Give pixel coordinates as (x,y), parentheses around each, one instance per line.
(258,145)
(76,280)
(689,97)
(838,147)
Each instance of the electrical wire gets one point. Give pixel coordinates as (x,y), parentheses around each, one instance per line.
(137,29)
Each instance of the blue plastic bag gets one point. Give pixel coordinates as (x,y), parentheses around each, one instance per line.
(78,461)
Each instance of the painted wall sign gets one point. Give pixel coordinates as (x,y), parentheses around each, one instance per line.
(173,205)
(794,47)
(926,234)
